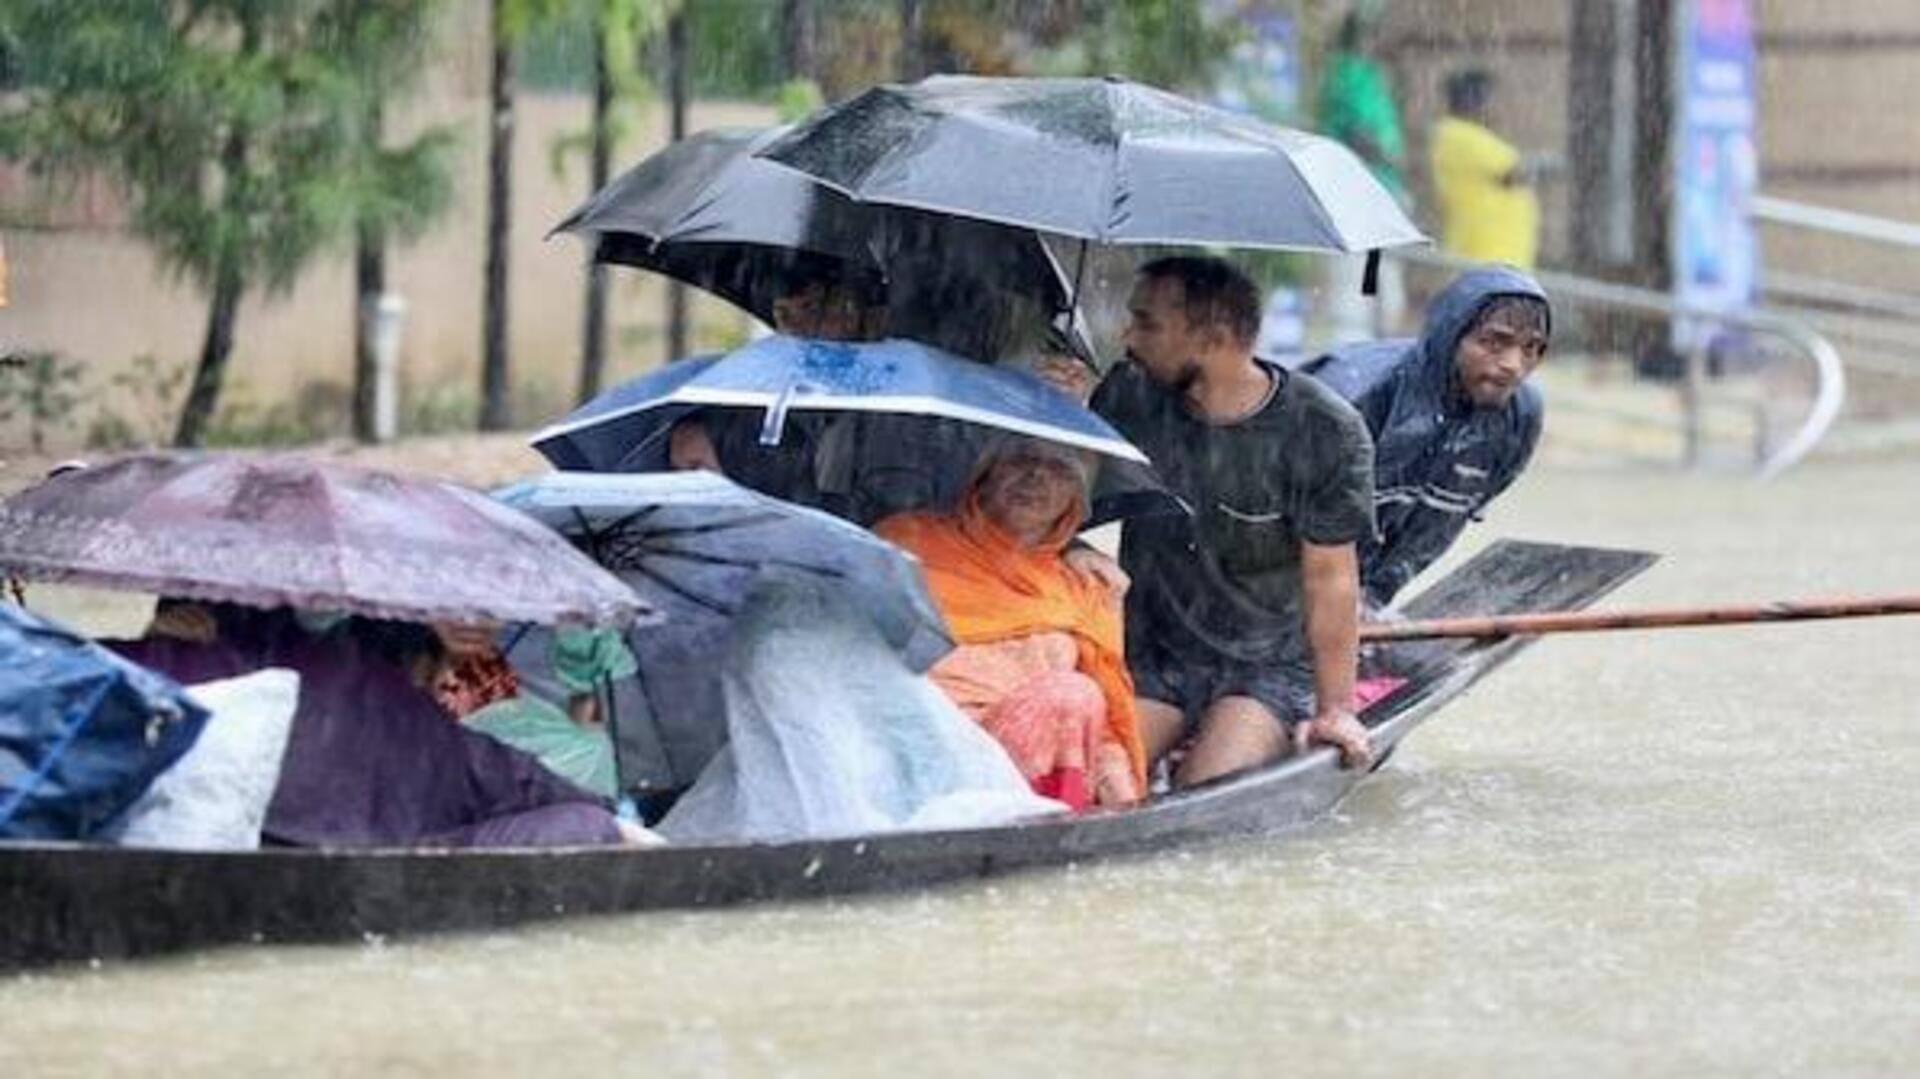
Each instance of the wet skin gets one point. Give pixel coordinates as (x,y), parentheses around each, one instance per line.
(1027,492)
(1160,338)
(1496,358)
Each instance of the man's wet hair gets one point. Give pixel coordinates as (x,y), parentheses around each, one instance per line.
(1468,90)
(1214,292)
(1518,311)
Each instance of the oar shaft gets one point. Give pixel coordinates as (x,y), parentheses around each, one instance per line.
(1512,625)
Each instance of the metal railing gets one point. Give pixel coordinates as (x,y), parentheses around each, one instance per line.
(1831,380)
(1883,230)
(1880,326)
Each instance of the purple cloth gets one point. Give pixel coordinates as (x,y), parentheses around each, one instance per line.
(373,761)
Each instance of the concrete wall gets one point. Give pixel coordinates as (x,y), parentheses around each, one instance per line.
(1838,127)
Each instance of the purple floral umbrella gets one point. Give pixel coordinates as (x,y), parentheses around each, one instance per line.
(294,531)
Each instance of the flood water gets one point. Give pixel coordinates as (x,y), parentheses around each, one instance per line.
(1676,852)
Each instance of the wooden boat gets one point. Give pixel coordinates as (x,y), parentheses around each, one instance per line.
(65,902)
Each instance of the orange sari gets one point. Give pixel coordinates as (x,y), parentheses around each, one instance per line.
(992,589)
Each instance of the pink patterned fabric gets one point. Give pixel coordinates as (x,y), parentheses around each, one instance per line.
(1050,718)
(1367,691)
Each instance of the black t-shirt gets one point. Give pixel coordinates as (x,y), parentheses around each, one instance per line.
(1227,579)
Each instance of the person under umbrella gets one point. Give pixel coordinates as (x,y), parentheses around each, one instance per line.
(1101,161)
(903,424)
(693,545)
(372,758)
(1040,662)
(787,688)
(706,211)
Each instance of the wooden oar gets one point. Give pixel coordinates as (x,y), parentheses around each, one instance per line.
(1513,625)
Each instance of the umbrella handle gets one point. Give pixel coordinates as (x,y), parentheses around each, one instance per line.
(774,427)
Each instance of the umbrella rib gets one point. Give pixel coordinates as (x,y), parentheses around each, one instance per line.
(681,590)
(707,559)
(588,532)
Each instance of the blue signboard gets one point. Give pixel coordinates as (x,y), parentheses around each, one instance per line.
(1716,257)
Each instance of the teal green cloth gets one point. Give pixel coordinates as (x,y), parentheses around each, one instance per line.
(580,755)
(1356,106)
(584,658)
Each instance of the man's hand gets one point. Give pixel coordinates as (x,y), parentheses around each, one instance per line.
(1098,568)
(1336,727)
(1068,375)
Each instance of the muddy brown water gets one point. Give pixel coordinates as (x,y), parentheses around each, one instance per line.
(1681,852)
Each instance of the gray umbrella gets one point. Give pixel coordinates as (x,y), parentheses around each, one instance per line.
(706,211)
(693,544)
(1104,160)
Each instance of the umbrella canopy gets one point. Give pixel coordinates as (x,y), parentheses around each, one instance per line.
(782,374)
(706,211)
(1104,160)
(692,544)
(292,531)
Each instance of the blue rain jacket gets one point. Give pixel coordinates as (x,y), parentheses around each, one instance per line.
(1438,460)
(82,731)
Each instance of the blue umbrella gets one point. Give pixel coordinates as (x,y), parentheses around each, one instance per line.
(82,731)
(695,543)
(626,427)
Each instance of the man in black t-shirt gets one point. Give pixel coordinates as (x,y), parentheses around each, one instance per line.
(1242,619)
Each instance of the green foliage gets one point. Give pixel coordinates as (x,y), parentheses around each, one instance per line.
(399,189)
(734,48)
(516,20)
(39,388)
(1168,43)
(624,31)
(226,130)
(244,131)
(797,98)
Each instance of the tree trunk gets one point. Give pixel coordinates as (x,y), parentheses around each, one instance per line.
(1653,159)
(229,279)
(796,38)
(215,348)
(912,60)
(593,335)
(1590,129)
(677,84)
(494,375)
(370,281)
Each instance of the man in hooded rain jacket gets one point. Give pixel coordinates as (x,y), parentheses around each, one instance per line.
(1453,417)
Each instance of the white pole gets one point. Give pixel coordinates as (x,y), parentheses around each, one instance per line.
(389,320)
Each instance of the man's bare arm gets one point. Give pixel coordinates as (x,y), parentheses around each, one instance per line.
(1330,595)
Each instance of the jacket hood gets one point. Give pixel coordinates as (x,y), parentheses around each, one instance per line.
(1457,305)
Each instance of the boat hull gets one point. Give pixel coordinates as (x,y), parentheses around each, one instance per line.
(67,902)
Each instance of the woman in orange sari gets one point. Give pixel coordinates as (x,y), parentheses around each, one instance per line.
(1040,661)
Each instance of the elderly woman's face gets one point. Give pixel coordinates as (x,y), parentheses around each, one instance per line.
(1025,491)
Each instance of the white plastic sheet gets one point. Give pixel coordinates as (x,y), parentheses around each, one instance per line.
(215,797)
(830,734)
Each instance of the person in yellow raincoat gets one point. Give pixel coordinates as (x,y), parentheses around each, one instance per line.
(1482,182)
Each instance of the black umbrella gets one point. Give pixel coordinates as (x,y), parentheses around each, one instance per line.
(706,211)
(1104,160)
